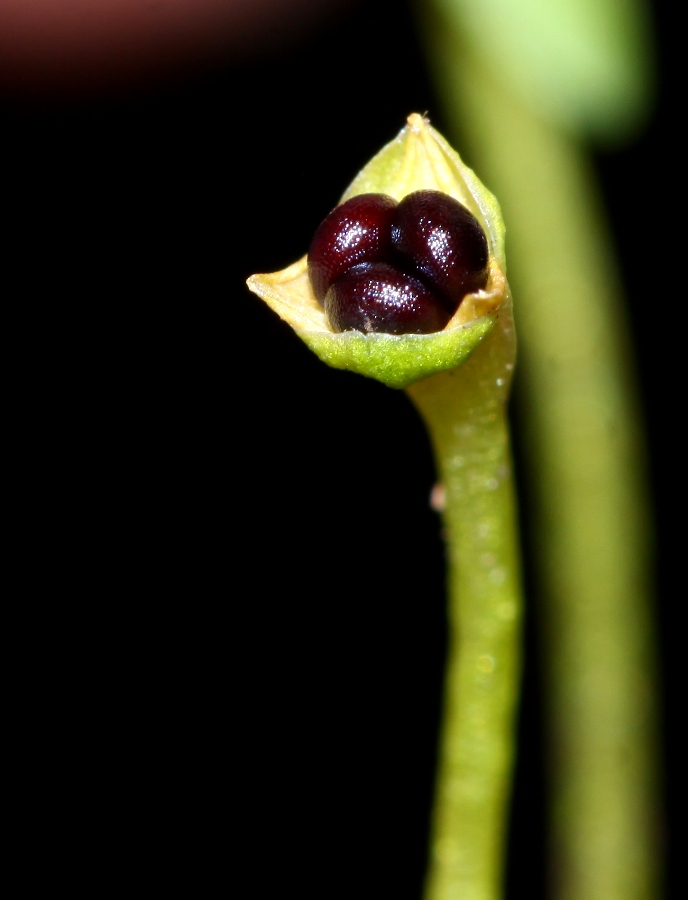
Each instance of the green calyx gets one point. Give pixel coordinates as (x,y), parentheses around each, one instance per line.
(418,158)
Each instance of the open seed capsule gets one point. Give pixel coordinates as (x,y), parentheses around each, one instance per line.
(417,159)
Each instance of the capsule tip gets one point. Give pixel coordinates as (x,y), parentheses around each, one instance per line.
(416,122)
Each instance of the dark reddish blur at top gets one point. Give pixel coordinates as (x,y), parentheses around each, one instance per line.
(82,47)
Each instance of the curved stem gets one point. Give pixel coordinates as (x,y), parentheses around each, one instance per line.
(465,414)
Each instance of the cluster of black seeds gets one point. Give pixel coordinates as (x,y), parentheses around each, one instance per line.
(399,268)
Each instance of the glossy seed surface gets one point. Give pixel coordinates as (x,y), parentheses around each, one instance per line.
(357,231)
(377,297)
(442,242)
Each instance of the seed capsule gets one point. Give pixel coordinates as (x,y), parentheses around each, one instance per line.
(418,158)
(377,297)
(357,231)
(439,240)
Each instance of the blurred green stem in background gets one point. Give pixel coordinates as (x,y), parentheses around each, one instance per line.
(584,447)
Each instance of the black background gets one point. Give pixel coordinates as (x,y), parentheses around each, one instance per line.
(252,579)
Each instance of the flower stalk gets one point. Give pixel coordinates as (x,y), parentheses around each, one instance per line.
(465,413)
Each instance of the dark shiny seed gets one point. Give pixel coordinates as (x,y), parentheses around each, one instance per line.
(357,231)
(378,297)
(442,242)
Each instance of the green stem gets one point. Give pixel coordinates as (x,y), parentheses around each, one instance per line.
(586,461)
(464,411)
